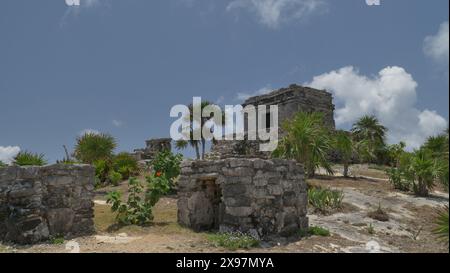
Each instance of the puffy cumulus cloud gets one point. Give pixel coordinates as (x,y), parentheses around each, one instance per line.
(8,153)
(242,96)
(436,46)
(272,13)
(391,96)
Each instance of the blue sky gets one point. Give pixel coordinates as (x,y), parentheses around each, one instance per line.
(119,66)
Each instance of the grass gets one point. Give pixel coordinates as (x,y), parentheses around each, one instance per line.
(58,240)
(325,200)
(233,241)
(315,231)
(29,159)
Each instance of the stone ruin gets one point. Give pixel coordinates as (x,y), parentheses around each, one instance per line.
(38,203)
(239,188)
(255,196)
(153,147)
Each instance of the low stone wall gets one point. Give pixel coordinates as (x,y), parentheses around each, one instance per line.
(37,203)
(255,196)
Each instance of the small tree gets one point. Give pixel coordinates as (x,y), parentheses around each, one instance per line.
(307,140)
(167,164)
(343,144)
(92,147)
(370,136)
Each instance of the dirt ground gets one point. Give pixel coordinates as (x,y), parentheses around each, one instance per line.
(409,228)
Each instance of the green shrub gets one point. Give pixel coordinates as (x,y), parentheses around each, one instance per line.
(93,147)
(325,200)
(233,241)
(167,164)
(115,178)
(396,179)
(138,208)
(319,231)
(442,225)
(29,159)
(58,240)
(125,164)
(2,164)
(102,170)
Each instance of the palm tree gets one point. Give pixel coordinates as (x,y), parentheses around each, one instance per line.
(307,141)
(370,135)
(92,147)
(200,122)
(343,144)
(422,170)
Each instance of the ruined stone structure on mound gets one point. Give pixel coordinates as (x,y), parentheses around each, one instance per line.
(39,203)
(153,147)
(290,101)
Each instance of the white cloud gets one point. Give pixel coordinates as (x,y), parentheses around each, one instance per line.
(117,123)
(88,131)
(436,46)
(75,11)
(391,96)
(242,96)
(273,13)
(8,153)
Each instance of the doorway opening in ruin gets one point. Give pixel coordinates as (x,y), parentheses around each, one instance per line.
(213,193)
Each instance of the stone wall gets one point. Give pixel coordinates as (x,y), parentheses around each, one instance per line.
(152,148)
(37,203)
(256,196)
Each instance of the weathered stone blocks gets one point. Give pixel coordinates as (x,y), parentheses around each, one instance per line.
(37,203)
(257,196)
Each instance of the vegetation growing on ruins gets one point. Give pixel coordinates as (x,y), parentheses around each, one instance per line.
(92,147)
(233,241)
(26,158)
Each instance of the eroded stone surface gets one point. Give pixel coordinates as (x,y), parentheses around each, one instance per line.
(37,203)
(251,195)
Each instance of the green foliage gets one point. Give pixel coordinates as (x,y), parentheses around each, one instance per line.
(92,147)
(102,170)
(115,178)
(396,178)
(29,159)
(138,208)
(3,164)
(233,241)
(58,240)
(325,200)
(370,136)
(125,164)
(343,144)
(318,231)
(371,229)
(422,171)
(307,140)
(441,229)
(167,164)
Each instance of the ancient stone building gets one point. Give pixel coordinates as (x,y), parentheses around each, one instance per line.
(153,147)
(37,203)
(255,196)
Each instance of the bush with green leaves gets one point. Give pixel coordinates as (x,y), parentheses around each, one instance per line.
(325,200)
(2,165)
(115,178)
(441,229)
(102,170)
(29,159)
(396,178)
(307,141)
(125,164)
(167,164)
(233,240)
(92,147)
(138,208)
(319,231)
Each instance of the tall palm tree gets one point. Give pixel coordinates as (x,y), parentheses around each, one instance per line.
(370,135)
(198,122)
(307,141)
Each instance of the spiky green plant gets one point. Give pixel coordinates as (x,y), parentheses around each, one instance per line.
(26,158)
(92,147)
(308,141)
(370,135)
(441,229)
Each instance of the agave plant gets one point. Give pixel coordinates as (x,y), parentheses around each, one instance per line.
(29,159)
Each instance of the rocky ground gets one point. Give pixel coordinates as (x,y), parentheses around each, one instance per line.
(409,228)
